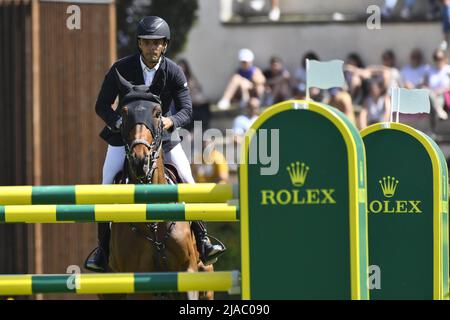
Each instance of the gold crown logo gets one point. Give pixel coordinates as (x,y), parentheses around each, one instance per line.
(388,186)
(298,172)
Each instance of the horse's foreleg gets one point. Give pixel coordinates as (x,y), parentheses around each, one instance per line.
(183,255)
(205,295)
(193,295)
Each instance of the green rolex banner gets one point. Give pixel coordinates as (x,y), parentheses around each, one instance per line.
(445,235)
(407,212)
(303,205)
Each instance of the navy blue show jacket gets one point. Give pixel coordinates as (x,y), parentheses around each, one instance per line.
(169,83)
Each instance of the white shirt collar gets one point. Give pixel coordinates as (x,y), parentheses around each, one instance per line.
(147,69)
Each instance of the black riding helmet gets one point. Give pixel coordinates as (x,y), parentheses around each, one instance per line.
(153,27)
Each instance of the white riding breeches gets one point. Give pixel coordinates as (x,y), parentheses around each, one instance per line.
(177,157)
(115,158)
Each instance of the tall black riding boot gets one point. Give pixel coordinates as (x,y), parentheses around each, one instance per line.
(208,252)
(98,259)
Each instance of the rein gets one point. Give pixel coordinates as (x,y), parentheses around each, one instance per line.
(150,167)
(159,245)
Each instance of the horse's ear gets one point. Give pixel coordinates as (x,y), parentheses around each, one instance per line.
(154,97)
(123,84)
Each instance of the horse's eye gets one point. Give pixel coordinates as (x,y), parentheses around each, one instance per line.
(158,113)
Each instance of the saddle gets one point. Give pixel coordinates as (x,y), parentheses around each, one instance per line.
(172,173)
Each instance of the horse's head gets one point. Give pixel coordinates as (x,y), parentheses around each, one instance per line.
(142,128)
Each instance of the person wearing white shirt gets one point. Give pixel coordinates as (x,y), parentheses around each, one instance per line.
(414,74)
(243,122)
(438,81)
(148,73)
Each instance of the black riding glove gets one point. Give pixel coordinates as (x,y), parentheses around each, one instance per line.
(117,125)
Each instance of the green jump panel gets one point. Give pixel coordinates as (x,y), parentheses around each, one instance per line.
(407,213)
(305,219)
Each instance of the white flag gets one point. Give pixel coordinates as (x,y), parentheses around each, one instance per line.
(324,75)
(411,100)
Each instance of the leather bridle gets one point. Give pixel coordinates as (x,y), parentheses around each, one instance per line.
(151,159)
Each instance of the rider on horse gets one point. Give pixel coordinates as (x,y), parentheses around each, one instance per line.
(166,80)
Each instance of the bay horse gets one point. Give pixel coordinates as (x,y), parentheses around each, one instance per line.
(150,247)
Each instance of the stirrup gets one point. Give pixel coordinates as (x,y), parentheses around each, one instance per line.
(208,260)
(211,259)
(93,266)
(220,242)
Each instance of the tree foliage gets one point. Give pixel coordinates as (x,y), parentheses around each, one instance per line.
(179,14)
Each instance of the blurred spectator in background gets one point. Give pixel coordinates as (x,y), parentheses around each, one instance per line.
(246,82)
(413,75)
(300,73)
(405,12)
(445,24)
(300,76)
(299,92)
(389,71)
(356,78)
(214,167)
(277,82)
(200,106)
(434,9)
(341,100)
(243,122)
(377,107)
(438,81)
(274,14)
(258,5)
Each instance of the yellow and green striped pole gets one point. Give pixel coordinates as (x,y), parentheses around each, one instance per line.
(125,193)
(119,213)
(119,283)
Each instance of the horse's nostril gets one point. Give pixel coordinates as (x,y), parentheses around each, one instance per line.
(140,158)
(140,165)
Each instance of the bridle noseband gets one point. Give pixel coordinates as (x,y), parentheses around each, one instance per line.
(155,151)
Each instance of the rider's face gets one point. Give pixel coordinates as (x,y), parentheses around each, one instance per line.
(151,49)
